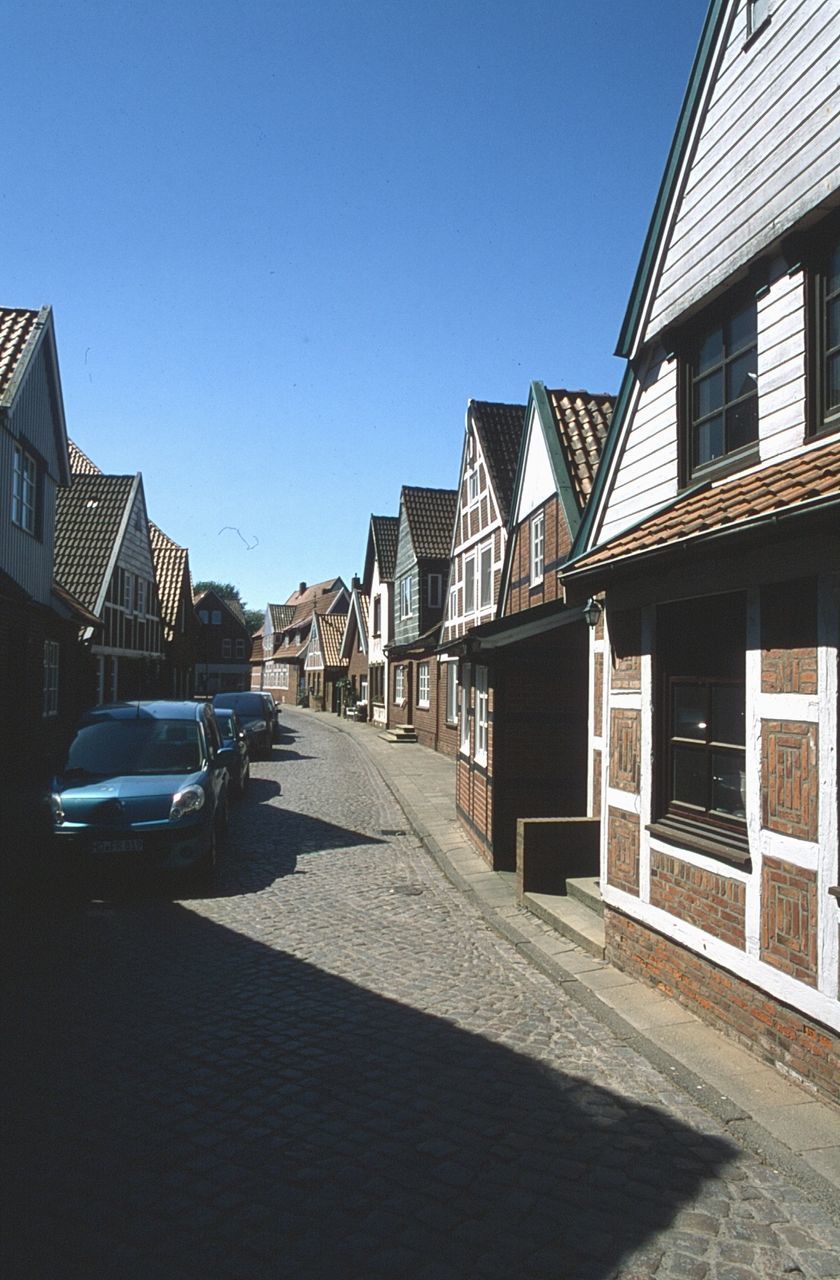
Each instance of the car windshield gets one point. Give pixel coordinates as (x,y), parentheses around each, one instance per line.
(247,704)
(106,748)
(224,719)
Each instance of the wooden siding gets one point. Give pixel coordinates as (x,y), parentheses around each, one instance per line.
(768,151)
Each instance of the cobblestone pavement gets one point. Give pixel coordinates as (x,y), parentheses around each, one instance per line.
(333,1067)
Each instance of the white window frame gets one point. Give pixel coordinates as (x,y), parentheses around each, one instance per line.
(140,597)
(473,489)
(423,685)
(283,675)
(51,670)
(482,714)
(227,647)
(128,591)
(399,686)
(464,711)
(758,12)
(537,548)
(451,713)
(485,575)
(405,597)
(469,584)
(24,490)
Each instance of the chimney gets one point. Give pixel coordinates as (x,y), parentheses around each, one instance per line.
(301,588)
(356,582)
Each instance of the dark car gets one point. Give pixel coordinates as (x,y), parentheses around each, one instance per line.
(257,718)
(143,784)
(235,737)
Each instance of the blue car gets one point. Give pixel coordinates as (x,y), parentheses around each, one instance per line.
(144,784)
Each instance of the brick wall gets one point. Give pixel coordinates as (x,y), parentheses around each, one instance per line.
(625,749)
(789,919)
(714,903)
(623,850)
(790,778)
(770,1030)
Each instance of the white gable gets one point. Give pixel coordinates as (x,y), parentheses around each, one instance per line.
(538,483)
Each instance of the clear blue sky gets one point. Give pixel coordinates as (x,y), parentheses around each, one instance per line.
(286,243)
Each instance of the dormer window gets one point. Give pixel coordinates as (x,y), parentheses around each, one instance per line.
(720,397)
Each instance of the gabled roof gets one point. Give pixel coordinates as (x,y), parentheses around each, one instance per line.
(329,602)
(90,518)
(313,593)
(581,419)
(430,516)
(794,486)
(331,631)
(281,615)
(382,548)
(171,567)
(356,623)
(23,332)
(233,607)
(80,463)
(499,428)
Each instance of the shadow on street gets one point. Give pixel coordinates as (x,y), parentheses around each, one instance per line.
(182,1101)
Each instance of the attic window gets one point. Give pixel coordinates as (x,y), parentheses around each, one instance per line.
(758,15)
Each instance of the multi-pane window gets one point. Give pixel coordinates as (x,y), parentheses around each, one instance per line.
(481,714)
(377,616)
(451,669)
(405,597)
(423,684)
(141,595)
(826,374)
(399,684)
(50,700)
(537,547)
(702,765)
(377,683)
(434,590)
(24,489)
(128,592)
(464,711)
(226,647)
(485,576)
(472,485)
(469,584)
(240,648)
(722,390)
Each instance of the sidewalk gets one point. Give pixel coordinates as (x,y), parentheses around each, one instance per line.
(764,1111)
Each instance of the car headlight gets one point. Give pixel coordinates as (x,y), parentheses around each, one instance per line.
(190,800)
(56,809)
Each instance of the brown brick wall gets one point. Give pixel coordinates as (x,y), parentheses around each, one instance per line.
(623,834)
(625,749)
(773,1032)
(790,778)
(789,637)
(597,774)
(598,695)
(557,545)
(789,919)
(714,903)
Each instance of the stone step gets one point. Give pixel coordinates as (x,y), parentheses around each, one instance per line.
(587,890)
(399,733)
(570,918)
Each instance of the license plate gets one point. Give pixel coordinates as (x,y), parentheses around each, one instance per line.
(117,846)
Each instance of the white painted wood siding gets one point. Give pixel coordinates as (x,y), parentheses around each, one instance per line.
(768,151)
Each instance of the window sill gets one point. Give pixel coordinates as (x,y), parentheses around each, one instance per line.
(722,467)
(729,849)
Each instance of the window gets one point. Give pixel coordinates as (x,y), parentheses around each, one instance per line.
(203,616)
(141,595)
(472,485)
(464,711)
(537,547)
(481,714)
(377,616)
(399,684)
(721,392)
(405,597)
(825,368)
(216,617)
(50,702)
(758,12)
(485,576)
(240,648)
(226,647)
(377,683)
(434,590)
(24,490)
(702,761)
(128,592)
(451,669)
(423,684)
(283,675)
(469,585)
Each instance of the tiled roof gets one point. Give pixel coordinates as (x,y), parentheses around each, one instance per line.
(499,428)
(170,566)
(80,463)
(581,419)
(315,592)
(306,607)
(288,652)
(731,504)
(431,517)
(87,522)
(17,328)
(385,530)
(331,631)
(281,615)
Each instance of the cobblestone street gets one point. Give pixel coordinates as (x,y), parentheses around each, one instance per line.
(334,1067)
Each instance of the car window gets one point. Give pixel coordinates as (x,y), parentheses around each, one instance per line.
(106,748)
(247,704)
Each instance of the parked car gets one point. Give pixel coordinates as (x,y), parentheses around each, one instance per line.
(257,718)
(234,736)
(143,784)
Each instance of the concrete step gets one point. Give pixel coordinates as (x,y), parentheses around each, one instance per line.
(587,890)
(400,733)
(570,918)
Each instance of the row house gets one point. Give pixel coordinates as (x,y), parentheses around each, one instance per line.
(45,676)
(424,542)
(378,585)
(523,672)
(712,541)
(325,670)
(278,662)
(223,644)
(354,654)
